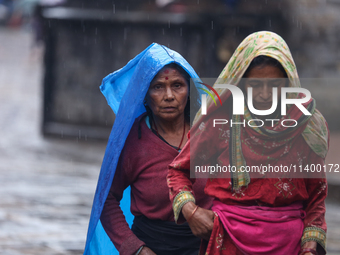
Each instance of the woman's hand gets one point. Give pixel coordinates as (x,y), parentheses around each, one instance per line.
(146,251)
(201,222)
(311,245)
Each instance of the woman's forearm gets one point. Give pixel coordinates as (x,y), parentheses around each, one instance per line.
(116,227)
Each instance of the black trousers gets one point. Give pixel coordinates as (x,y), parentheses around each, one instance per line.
(166,237)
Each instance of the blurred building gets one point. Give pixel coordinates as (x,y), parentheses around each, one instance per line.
(86,40)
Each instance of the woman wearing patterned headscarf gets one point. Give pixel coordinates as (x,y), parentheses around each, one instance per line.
(260,212)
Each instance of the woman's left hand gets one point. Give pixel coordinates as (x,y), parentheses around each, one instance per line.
(310,245)
(201,222)
(147,251)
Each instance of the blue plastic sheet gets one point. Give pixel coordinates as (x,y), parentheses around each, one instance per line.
(124,91)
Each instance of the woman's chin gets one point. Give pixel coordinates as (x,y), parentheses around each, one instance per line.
(169,116)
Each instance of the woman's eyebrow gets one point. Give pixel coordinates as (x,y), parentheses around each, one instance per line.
(156,82)
(275,79)
(178,80)
(254,79)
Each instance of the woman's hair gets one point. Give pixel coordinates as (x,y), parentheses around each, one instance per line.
(193,94)
(262,61)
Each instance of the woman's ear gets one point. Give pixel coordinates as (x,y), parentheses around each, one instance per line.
(242,86)
(145,101)
(287,82)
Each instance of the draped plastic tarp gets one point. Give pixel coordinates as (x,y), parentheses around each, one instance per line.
(124,91)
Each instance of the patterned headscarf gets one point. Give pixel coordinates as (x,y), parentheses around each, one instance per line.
(271,45)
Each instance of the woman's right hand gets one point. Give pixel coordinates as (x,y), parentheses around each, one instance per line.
(201,222)
(146,251)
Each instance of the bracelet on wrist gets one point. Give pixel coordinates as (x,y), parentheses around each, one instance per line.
(306,250)
(139,250)
(193,212)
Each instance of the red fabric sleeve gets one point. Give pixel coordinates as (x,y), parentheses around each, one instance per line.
(178,179)
(179,172)
(198,151)
(112,217)
(315,223)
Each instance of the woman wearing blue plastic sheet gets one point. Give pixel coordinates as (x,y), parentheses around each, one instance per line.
(151,99)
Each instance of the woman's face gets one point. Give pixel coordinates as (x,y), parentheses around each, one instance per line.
(262,79)
(168,94)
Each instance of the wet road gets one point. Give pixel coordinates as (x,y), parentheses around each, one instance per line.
(47,185)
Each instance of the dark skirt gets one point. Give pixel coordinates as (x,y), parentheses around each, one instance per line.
(166,237)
